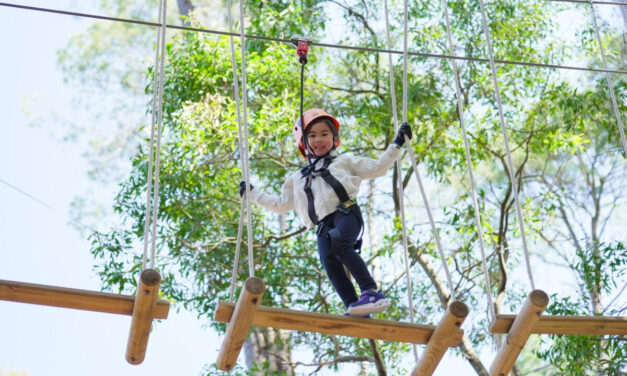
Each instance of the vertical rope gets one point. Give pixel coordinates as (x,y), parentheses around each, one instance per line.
(155,199)
(156,105)
(510,167)
(405,36)
(434,229)
(460,111)
(243,160)
(413,162)
(608,77)
(400,177)
(251,266)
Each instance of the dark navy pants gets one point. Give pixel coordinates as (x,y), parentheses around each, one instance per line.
(343,254)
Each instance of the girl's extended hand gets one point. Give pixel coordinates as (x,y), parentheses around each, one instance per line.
(242,188)
(403,131)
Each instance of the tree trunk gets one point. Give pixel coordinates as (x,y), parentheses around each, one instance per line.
(269,346)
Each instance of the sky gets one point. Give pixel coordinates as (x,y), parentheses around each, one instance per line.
(38,245)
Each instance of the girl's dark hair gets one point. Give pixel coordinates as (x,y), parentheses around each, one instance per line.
(329,124)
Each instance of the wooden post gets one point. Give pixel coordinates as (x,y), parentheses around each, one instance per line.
(519,333)
(143,313)
(240,323)
(440,340)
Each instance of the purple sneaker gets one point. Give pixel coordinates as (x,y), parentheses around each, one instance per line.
(370,302)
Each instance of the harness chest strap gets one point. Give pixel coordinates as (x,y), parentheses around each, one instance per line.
(309,172)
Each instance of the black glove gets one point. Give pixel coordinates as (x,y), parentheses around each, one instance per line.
(403,131)
(242,188)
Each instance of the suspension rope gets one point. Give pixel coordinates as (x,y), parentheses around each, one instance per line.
(415,167)
(510,167)
(242,127)
(243,159)
(608,77)
(242,38)
(401,194)
(327,45)
(155,142)
(460,111)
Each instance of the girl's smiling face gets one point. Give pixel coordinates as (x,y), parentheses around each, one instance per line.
(320,138)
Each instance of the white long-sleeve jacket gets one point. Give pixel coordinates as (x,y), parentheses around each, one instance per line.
(348,169)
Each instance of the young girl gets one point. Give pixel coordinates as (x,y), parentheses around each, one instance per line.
(323,194)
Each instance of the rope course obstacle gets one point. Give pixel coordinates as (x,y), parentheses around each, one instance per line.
(146,305)
(247,311)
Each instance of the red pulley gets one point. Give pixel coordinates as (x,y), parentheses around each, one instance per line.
(302,49)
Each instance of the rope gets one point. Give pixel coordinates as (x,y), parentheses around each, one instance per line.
(155,199)
(157,108)
(510,167)
(327,45)
(460,111)
(243,147)
(242,159)
(401,196)
(237,251)
(69,218)
(586,2)
(251,266)
(405,32)
(413,162)
(609,80)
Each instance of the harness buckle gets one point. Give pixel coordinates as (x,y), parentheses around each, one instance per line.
(342,208)
(345,207)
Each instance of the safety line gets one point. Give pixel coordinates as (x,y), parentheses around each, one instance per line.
(327,45)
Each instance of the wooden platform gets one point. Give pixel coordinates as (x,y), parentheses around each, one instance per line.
(75,298)
(576,325)
(337,325)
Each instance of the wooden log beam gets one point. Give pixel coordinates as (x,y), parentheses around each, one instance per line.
(573,325)
(240,323)
(74,298)
(519,333)
(143,313)
(326,323)
(449,325)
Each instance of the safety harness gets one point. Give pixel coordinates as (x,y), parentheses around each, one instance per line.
(346,205)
